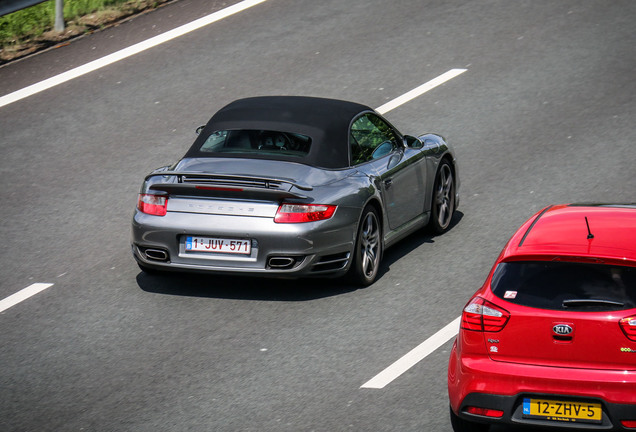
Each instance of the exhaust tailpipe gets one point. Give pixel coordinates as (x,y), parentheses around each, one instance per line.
(281,263)
(156,254)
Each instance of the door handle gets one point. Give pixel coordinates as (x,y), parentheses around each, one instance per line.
(388,183)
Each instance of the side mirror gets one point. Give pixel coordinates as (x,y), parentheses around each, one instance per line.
(199,129)
(412,142)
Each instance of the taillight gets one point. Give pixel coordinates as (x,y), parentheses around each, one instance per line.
(299,213)
(153,204)
(629,423)
(486,412)
(481,315)
(628,325)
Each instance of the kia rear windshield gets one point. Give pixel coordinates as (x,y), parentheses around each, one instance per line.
(566,285)
(257,142)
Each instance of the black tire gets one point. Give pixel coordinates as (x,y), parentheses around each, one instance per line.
(443,200)
(461,425)
(368,250)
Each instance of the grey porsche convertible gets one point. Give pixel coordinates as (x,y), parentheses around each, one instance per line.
(292,186)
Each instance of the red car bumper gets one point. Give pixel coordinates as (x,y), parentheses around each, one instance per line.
(499,387)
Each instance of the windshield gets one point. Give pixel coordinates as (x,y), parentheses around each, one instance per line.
(257,142)
(566,285)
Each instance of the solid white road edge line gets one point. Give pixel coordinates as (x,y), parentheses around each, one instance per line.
(126,52)
(414,356)
(420,90)
(22,295)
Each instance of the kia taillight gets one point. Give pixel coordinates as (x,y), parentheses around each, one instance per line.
(486,412)
(631,424)
(153,204)
(299,213)
(482,315)
(629,327)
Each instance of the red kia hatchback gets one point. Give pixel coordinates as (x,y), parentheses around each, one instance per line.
(550,338)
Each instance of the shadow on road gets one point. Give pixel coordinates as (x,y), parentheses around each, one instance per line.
(409,244)
(268,289)
(241,287)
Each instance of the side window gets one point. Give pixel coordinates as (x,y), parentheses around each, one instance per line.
(214,141)
(370,138)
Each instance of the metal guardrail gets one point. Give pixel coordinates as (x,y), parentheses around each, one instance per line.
(9,6)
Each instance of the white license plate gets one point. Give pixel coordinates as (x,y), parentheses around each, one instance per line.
(218,245)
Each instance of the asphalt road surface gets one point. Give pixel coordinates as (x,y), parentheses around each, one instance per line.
(543,114)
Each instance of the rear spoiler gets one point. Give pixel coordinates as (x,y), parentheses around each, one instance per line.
(227,186)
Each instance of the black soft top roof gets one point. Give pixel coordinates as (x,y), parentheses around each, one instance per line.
(325,121)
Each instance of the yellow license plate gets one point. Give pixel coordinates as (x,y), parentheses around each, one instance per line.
(567,411)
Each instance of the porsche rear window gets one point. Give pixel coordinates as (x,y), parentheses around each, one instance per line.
(257,142)
(566,285)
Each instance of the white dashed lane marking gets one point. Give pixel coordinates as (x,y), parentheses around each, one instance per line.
(22,295)
(419,91)
(414,356)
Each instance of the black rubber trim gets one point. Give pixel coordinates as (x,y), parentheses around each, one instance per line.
(532,226)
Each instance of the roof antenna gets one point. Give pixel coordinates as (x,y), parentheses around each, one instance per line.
(589,233)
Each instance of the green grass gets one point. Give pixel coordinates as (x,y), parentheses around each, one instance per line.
(34,21)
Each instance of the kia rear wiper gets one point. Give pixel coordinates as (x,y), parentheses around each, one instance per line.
(591,302)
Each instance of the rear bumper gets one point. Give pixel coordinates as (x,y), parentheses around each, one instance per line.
(512,407)
(311,249)
(478,381)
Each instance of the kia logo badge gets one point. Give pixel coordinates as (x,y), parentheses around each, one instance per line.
(562,329)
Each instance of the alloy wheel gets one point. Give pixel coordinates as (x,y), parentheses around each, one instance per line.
(444,197)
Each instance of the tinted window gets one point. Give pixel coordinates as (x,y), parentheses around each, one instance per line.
(257,142)
(566,285)
(371,138)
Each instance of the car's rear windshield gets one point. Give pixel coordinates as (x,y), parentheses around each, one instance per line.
(559,285)
(257,142)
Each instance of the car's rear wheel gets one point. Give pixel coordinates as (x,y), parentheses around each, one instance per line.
(368,251)
(443,206)
(461,425)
